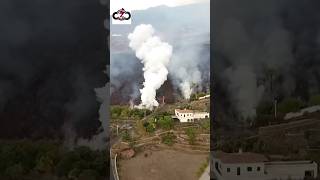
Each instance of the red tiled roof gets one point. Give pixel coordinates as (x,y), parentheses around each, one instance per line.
(244,157)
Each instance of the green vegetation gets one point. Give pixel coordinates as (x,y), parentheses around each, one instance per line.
(22,160)
(195,96)
(168,139)
(191,133)
(126,136)
(205,124)
(126,112)
(203,167)
(165,122)
(314,100)
(150,127)
(290,105)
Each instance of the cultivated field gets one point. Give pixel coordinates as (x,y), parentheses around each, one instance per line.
(162,164)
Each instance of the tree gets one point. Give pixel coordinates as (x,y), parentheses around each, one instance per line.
(65,165)
(88,174)
(290,105)
(125,113)
(165,122)
(150,127)
(115,111)
(191,133)
(206,124)
(264,107)
(168,139)
(45,164)
(314,100)
(126,136)
(74,173)
(193,97)
(15,172)
(100,163)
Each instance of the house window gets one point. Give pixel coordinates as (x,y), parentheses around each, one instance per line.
(184,115)
(228,170)
(258,168)
(238,171)
(308,174)
(249,169)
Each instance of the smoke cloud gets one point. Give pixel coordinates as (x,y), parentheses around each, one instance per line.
(155,56)
(265,50)
(185,66)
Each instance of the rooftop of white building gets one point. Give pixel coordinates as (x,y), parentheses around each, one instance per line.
(242,157)
(184,111)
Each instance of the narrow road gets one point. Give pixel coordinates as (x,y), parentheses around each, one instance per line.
(112,165)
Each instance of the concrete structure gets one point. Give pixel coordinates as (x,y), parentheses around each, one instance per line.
(187,115)
(204,97)
(253,166)
(206,174)
(311,109)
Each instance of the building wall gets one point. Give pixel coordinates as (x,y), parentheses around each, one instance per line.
(268,171)
(190,117)
(184,117)
(201,115)
(244,173)
(283,170)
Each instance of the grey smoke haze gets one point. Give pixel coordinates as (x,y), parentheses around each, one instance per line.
(52,58)
(258,38)
(101,139)
(185,67)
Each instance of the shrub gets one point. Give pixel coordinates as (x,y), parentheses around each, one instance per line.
(314,100)
(168,139)
(191,133)
(15,172)
(165,122)
(126,136)
(290,105)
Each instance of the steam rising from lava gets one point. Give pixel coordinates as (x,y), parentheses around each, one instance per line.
(155,56)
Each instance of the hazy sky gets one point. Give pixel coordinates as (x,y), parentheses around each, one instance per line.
(144,4)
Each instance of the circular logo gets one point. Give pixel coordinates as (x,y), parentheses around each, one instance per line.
(121,15)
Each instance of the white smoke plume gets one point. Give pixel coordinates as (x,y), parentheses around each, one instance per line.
(186,74)
(189,67)
(155,56)
(246,93)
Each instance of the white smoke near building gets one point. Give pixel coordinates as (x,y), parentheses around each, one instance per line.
(185,72)
(155,56)
(246,94)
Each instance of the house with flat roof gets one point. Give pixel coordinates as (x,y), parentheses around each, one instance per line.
(253,166)
(187,115)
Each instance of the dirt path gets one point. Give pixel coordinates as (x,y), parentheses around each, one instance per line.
(162,165)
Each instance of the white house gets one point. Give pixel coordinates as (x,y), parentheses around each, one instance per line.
(253,166)
(187,115)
